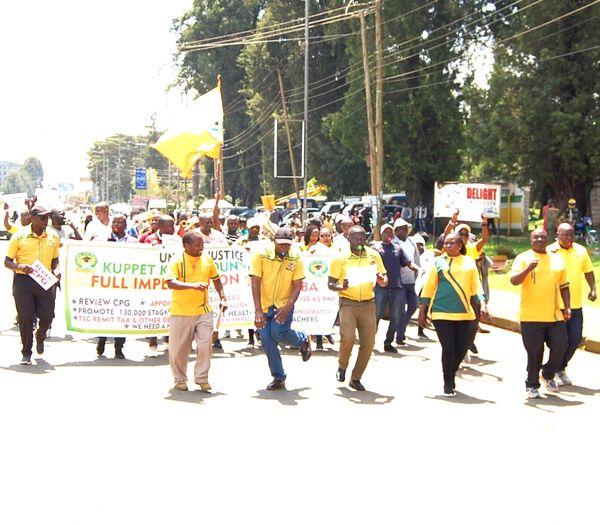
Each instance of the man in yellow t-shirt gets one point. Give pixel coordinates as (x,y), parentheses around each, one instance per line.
(276,278)
(353,276)
(545,306)
(191,316)
(579,265)
(32,243)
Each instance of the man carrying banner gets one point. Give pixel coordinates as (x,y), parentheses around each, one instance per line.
(191,315)
(276,277)
(353,276)
(33,243)
(119,234)
(100,225)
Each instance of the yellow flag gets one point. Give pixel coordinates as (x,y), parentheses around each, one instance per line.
(199,132)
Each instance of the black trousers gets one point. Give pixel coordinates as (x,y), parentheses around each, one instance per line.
(534,335)
(454,337)
(32,301)
(119,342)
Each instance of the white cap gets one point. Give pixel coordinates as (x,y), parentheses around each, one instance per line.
(338,217)
(418,239)
(400,222)
(251,222)
(386,226)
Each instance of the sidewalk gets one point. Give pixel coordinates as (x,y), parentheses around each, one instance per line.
(504,311)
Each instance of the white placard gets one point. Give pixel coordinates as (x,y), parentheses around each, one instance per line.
(41,275)
(15,201)
(361,275)
(470,199)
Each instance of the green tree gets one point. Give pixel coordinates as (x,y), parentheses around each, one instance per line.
(537,122)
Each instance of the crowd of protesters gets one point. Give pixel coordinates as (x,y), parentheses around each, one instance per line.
(447,285)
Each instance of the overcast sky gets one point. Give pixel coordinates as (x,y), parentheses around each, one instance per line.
(72,72)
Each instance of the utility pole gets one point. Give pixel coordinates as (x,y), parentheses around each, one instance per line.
(305,155)
(379,105)
(289,135)
(372,148)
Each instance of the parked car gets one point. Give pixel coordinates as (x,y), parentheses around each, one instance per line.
(332,208)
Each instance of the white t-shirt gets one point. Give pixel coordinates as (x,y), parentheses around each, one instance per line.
(98,230)
(215,237)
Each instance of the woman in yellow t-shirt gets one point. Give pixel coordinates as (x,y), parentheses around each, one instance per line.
(449,295)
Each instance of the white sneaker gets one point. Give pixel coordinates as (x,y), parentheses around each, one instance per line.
(532,393)
(467,358)
(550,385)
(562,379)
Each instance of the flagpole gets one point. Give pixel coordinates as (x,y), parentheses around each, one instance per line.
(305,137)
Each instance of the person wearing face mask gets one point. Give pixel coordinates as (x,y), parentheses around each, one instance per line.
(353,276)
(545,306)
(578,264)
(449,295)
(276,280)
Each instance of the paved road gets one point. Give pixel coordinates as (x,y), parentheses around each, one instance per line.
(96,441)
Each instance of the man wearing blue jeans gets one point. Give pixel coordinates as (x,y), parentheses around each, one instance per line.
(276,277)
(408,275)
(393,295)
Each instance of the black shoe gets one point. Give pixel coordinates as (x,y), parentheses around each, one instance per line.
(341,375)
(389,348)
(401,342)
(421,333)
(39,347)
(357,385)
(99,349)
(276,384)
(217,344)
(449,391)
(119,354)
(305,350)
(329,339)
(473,349)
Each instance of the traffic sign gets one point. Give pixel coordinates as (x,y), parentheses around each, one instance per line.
(140,179)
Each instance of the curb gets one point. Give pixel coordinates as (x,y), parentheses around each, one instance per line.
(589,345)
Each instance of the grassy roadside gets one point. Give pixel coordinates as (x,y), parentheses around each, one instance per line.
(500,281)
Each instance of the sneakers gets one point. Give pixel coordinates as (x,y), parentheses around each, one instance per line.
(532,393)
(550,384)
(562,379)
(205,387)
(357,385)
(181,386)
(39,346)
(25,361)
(276,384)
(467,358)
(449,391)
(340,375)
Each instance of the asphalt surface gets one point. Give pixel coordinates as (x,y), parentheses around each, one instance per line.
(89,440)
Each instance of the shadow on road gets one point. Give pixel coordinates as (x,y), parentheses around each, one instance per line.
(148,360)
(285,397)
(191,396)
(40,367)
(473,372)
(462,399)
(480,361)
(364,398)
(545,403)
(576,389)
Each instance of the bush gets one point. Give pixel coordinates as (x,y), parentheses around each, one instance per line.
(505,250)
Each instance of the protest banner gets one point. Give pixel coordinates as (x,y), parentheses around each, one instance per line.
(15,201)
(114,289)
(470,199)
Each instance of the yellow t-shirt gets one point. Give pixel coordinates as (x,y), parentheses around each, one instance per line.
(25,247)
(472,251)
(276,275)
(578,263)
(342,268)
(451,286)
(191,270)
(540,290)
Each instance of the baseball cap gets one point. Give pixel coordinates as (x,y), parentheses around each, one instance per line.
(418,239)
(462,227)
(386,226)
(39,211)
(250,223)
(284,236)
(338,218)
(400,222)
